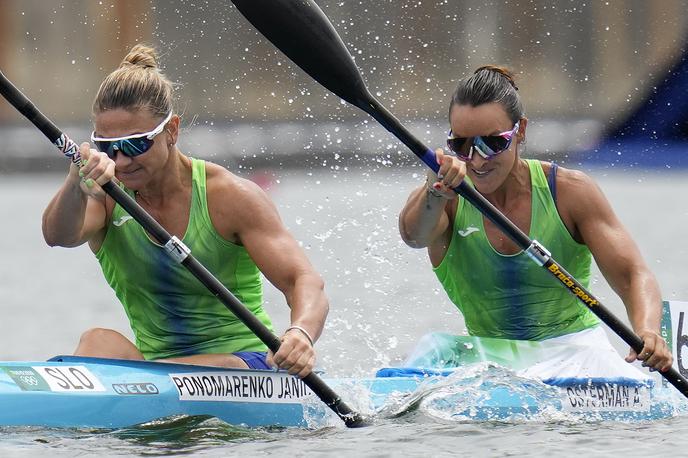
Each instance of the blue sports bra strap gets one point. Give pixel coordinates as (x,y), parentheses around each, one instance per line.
(552,181)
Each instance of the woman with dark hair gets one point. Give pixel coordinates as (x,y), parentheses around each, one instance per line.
(496,286)
(229,223)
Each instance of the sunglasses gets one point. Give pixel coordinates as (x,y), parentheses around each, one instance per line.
(488,146)
(131,145)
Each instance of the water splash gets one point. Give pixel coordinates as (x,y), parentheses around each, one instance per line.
(488,392)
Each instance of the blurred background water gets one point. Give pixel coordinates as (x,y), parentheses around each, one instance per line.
(605,91)
(591,75)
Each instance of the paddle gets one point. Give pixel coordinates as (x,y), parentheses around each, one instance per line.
(304,34)
(175,249)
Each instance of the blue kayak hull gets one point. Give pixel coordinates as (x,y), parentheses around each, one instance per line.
(78,392)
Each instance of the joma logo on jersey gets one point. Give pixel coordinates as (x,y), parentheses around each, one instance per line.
(119,221)
(468,231)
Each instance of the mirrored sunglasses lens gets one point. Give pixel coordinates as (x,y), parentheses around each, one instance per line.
(105,147)
(456,144)
(134,146)
(483,150)
(496,144)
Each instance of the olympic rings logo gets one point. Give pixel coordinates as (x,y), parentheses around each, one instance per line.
(29,380)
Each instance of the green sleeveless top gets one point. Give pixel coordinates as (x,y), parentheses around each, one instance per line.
(510,296)
(171,313)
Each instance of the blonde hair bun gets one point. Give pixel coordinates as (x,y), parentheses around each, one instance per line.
(142,56)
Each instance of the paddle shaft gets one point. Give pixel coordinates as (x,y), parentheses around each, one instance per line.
(304,34)
(175,248)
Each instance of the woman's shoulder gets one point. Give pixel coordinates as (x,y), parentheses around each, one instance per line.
(577,195)
(566,177)
(229,194)
(220,180)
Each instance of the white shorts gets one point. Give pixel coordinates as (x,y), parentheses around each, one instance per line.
(583,354)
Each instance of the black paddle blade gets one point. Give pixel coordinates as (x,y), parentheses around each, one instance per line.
(300,29)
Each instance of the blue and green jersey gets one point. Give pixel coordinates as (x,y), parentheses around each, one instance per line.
(171,313)
(510,296)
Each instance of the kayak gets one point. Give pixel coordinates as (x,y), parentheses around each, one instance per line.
(452,377)
(68,391)
(77,392)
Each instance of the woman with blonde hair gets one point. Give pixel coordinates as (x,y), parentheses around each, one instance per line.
(229,223)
